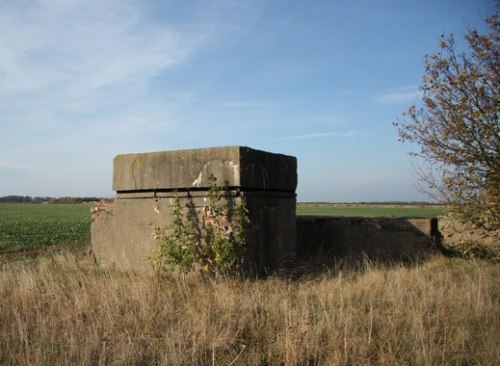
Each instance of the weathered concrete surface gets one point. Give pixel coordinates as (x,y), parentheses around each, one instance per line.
(122,236)
(241,167)
(272,230)
(145,185)
(102,232)
(382,238)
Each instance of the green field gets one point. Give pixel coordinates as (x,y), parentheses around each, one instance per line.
(25,226)
(371,210)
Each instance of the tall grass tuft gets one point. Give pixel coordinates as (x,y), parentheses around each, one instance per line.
(64,310)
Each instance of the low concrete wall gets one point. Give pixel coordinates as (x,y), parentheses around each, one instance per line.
(378,238)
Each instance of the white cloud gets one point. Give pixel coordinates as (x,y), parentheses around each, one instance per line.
(77,48)
(404,94)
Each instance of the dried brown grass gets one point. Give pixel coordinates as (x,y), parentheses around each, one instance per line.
(64,310)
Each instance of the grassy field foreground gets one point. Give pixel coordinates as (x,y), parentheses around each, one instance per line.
(64,310)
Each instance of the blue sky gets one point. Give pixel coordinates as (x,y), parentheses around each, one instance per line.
(82,81)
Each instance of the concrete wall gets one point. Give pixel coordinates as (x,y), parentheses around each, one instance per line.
(378,238)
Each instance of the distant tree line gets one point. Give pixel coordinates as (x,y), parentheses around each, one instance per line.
(37,199)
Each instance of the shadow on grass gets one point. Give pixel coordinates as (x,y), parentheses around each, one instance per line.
(331,264)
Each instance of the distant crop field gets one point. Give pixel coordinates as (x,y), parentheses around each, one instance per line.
(25,226)
(370,211)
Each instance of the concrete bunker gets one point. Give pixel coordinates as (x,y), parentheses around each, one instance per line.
(121,233)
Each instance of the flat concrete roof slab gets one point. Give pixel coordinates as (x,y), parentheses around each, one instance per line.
(238,166)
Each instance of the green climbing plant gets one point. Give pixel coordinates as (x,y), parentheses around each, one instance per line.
(215,247)
(223,230)
(178,249)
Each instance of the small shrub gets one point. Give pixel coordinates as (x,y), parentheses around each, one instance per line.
(464,239)
(216,247)
(223,231)
(179,249)
(474,250)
